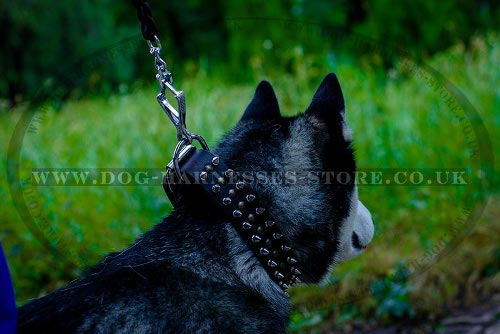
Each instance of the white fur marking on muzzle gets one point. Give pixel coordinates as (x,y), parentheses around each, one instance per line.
(358,233)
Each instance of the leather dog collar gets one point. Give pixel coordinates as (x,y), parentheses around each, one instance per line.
(241,208)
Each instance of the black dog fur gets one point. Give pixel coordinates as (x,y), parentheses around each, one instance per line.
(192,273)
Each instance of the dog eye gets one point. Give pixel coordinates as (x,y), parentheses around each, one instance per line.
(355,241)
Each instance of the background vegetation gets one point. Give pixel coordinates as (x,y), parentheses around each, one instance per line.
(84,78)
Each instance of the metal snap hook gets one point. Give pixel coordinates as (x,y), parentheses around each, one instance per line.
(154,50)
(178,118)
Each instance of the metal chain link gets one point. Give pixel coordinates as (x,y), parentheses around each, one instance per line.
(164,77)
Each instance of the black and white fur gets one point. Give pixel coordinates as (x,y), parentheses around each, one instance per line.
(193,273)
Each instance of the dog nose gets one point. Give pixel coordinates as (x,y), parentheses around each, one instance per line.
(355,241)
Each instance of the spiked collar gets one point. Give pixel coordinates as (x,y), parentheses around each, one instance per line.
(241,208)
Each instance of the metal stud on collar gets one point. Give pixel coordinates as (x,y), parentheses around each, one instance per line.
(260,211)
(269,223)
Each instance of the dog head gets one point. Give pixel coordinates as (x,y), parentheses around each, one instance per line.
(303,170)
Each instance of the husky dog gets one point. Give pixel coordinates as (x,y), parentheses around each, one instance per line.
(193,273)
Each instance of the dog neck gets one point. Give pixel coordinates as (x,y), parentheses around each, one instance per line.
(213,182)
(249,269)
(209,239)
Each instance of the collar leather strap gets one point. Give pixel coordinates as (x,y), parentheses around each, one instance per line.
(241,208)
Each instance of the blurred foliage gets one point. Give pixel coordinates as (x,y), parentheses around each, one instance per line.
(44,39)
(88,65)
(392,295)
(391,127)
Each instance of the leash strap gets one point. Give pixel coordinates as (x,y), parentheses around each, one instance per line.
(148,25)
(241,207)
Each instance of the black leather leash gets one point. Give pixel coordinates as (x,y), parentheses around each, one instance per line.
(202,169)
(144,14)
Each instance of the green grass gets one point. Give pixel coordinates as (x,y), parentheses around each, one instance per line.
(398,122)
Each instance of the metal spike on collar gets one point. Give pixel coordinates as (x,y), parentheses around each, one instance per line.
(250,198)
(232,192)
(209,168)
(241,205)
(247,225)
(260,211)
(285,248)
(216,188)
(240,185)
(291,260)
(237,214)
(279,275)
(228,173)
(203,176)
(221,181)
(269,223)
(264,251)
(256,238)
(271,263)
(251,217)
(226,201)
(277,236)
(215,161)
(296,271)
(285,286)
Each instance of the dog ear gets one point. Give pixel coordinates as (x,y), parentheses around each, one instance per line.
(264,104)
(328,102)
